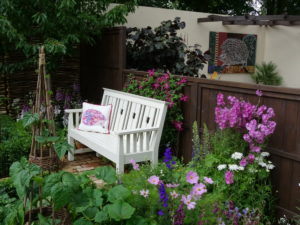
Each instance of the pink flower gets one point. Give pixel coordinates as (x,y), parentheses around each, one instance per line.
(182,81)
(255,148)
(151,72)
(199,189)
(187,200)
(192,177)
(184,98)
(243,162)
(178,125)
(144,193)
(259,93)
(170,105)
(208,180)
(229,177)
(166,86)
(174,194)
(154,180)
(220,100)
(172,185)
(156,85)
(251,158)
(134,165)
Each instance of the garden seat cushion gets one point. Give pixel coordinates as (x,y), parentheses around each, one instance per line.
(95,118)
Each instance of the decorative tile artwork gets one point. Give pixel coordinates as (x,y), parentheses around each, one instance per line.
(232,52)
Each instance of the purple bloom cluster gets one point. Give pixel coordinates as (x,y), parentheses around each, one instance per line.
(168,158)
(254,121)
(163,196)
(179,215)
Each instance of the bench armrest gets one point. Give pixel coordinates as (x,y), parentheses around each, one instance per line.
(73,110)
(139,130)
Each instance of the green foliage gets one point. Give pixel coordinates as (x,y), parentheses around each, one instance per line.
(162,49)
(15,142)
(76,193)
(267,74)
(58,25)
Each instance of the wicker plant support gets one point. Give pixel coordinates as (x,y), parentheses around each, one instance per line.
(41,154)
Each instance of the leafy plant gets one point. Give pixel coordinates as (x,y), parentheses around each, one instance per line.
(162,49)
(25,25)
(165,87)
(77,193)
(267,74)
(15,142)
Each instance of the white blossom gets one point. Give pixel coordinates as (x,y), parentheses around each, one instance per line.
(222,166)
(270,166)
(237,155)
(265,154)
(233,167)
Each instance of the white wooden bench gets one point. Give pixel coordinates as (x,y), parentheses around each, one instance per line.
(136,127)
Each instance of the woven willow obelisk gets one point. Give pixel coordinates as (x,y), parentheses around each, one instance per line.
(43,154)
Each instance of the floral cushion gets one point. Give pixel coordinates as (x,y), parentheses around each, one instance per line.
(95,118)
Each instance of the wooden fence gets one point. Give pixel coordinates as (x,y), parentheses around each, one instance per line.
(284,144)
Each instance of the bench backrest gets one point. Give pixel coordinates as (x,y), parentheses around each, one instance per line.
(131,112)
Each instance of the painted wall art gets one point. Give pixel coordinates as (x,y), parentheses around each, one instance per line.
(232,52)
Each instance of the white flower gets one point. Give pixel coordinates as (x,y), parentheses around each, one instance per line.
(237,155)
(270,166)
(144,193)
(252,170)
(265,154)
(262,164)
(222,166)
(233,167)
(174,194)
(299,184)
(241,168)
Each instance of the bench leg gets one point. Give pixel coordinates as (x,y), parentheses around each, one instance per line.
(120,168)
(71,152)
(154,159)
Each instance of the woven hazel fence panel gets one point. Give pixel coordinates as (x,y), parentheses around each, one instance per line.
(16,86)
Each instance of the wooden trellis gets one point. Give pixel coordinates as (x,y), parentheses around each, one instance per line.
(43,154)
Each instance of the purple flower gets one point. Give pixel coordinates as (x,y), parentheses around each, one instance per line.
(59,96)
(134,165)
(163,196)
(168,158)
(166,86)
(259,93)
(160,213)
(179,215)
(251,158)
(229,177)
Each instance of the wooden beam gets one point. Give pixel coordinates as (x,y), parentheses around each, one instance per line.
(286,20)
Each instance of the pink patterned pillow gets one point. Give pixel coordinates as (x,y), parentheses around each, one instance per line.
(95,118)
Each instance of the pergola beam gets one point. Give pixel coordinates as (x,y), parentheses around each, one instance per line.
(269,20)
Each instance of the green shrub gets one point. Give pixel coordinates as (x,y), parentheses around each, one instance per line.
(15,143)
(267,74)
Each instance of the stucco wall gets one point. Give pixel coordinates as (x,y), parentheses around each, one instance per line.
(283,48)
(279,44)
